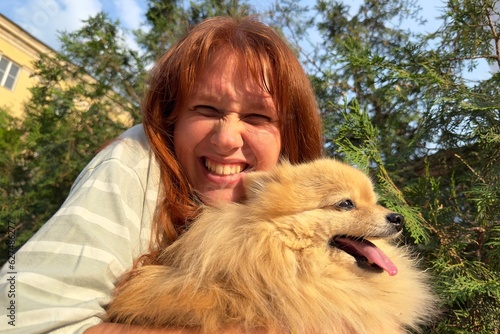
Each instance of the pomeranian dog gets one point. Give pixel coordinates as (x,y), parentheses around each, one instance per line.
(308,251)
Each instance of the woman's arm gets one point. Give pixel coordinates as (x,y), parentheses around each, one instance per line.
(64,275)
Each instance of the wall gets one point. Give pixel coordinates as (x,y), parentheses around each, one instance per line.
(23,49)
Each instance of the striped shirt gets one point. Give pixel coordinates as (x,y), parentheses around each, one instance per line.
(61,279)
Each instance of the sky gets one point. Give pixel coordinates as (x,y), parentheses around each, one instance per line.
(45,18)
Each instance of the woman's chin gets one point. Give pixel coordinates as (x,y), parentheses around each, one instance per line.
(216,197)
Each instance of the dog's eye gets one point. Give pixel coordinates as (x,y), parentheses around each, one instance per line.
(345,204)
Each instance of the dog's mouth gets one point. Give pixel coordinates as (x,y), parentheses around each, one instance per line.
(367,255)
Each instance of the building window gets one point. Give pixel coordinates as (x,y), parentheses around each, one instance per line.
(9,72)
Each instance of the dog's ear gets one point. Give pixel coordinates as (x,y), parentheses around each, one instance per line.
(257,182)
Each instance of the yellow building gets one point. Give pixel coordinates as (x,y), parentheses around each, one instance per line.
(18,50)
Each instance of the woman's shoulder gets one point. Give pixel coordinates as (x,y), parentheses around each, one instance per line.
(127,156)
(130,149)
(135,136)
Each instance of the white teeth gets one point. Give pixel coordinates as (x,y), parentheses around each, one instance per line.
(222,169)
(219,169)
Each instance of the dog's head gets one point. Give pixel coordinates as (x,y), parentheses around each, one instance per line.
(327,202)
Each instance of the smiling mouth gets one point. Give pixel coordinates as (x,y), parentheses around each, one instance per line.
(367,255)
(224,169)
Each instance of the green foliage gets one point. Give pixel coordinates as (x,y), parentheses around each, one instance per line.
(99,49)
(357,142)
(461,248)
(398,104)
(11,174)
(167,20)
(56,139)
(401,106)
(86,96)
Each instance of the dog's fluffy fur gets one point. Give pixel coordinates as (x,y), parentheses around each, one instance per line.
(274,261)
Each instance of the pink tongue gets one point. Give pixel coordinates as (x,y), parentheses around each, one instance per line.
(372,253)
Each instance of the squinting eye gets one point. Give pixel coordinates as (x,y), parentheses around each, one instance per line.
(256,119)
(345,204)
(207,111)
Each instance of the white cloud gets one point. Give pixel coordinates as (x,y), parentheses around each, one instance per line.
(129,12)
(46,18)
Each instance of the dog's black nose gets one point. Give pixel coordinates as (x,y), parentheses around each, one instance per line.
(396,219)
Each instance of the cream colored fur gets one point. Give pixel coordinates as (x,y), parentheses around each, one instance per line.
(267,263)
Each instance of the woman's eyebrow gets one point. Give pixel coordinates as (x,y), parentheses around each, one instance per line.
(253,101)
(205,96)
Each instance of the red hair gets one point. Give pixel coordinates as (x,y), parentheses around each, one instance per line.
(269,60)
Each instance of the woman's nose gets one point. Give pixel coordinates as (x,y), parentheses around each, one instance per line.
(227,135)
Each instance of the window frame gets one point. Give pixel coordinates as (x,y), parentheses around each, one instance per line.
(8,75)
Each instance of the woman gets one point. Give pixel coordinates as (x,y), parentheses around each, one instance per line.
(227,99)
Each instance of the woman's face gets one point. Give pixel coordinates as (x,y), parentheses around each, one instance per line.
(228,127)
